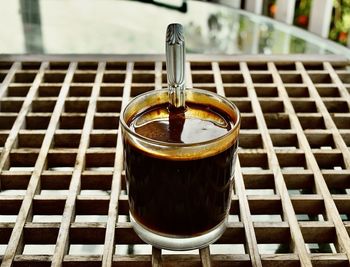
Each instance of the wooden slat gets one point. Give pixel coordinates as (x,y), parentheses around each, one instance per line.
(121,60)
(8,78)
(108,252)
(156,257)
(205,257)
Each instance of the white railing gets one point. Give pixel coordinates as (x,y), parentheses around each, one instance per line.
(320,14)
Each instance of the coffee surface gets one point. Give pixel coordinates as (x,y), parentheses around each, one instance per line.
(196,124)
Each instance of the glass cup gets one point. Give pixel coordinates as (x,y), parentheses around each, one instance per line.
(179,194)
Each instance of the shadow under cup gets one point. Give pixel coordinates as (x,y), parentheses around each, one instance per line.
(179,194)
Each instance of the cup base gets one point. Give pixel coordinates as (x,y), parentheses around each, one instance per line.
(178,243)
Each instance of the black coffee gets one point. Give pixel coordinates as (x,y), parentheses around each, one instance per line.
(186,197)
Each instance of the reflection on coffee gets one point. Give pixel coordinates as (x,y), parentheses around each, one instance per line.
(187,195)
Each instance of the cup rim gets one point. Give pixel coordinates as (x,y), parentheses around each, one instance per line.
(169,144)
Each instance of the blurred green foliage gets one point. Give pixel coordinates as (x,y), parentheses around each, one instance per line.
(341,21)
(302,12)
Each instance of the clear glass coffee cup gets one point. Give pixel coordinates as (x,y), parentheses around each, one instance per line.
(180,168)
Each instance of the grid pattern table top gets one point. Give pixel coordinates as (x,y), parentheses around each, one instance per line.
(61,167)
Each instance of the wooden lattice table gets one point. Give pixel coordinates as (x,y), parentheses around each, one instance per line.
(61,171)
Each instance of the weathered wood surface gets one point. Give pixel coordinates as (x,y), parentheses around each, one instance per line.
(61,167)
